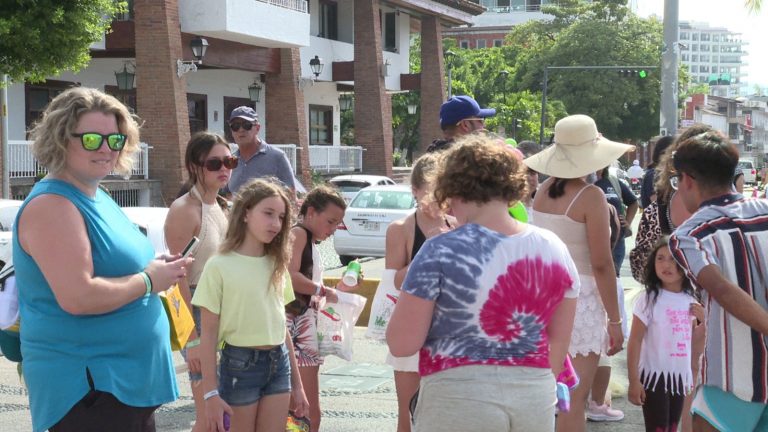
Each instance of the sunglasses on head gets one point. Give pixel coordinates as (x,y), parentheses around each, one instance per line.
(214,164)
(92,141)
(236,126)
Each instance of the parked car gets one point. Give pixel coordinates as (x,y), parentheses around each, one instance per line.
(349,185)
(748,168)
(363,230)
(8,210)
(151,222)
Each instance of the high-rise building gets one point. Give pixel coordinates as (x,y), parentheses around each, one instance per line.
(713,55)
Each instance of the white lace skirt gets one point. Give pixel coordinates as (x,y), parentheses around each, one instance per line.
(590,327)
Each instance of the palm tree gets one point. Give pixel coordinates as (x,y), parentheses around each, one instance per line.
(753,5)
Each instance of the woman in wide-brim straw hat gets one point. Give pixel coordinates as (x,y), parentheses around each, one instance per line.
(578,213)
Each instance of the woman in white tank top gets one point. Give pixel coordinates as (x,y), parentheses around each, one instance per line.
(578,213)
(199,212)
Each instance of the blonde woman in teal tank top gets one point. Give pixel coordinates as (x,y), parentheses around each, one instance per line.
(94,336)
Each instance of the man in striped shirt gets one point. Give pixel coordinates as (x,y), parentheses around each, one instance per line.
(723,248)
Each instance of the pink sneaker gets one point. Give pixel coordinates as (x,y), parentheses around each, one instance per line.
(603,413)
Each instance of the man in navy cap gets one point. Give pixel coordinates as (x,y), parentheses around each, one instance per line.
(257,158)
(459,116)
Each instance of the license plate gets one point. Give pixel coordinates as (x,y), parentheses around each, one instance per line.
(371,226)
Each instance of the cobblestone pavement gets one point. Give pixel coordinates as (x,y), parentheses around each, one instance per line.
(357,396)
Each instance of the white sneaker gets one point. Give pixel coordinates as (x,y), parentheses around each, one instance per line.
(603,413)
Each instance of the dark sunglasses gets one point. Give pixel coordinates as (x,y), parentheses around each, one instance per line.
(236,126)
(214,164)
(92,141)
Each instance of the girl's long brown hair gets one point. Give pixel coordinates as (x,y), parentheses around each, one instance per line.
(249,195)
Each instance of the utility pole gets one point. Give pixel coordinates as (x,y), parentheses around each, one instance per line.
(669,66)
(4,136)
(543,107)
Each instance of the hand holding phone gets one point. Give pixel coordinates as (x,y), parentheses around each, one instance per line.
(190,247)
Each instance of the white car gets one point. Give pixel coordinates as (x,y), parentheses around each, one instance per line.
(364,227)
(349,185)
(8,210)
(748,168)
(151,222)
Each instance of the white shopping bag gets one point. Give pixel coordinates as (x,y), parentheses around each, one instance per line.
(383,305)
(336,323)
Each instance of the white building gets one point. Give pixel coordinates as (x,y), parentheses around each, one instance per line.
(713,55)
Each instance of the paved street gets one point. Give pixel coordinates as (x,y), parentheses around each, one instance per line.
(357,396)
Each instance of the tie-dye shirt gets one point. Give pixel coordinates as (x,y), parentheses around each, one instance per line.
(494,296)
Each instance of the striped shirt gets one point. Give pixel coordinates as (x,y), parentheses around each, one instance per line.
(730,232)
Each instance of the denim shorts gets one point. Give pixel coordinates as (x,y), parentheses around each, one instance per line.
(246,374)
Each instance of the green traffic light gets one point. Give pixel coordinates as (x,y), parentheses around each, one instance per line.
(642,73)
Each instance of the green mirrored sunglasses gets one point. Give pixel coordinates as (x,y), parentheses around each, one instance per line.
(92,141)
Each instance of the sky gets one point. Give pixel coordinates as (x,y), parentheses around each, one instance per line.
(732,15)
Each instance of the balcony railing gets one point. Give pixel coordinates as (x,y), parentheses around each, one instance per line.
(297,5)
(21,163)
(327,159)
(330,159)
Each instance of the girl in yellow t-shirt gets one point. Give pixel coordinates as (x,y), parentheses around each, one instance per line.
(241,294)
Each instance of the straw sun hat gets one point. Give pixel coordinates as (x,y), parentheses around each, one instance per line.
(577,151)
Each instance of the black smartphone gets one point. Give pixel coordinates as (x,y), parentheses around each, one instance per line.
(189,248)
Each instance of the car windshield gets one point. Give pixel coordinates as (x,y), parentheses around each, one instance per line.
(351,185)
(745,165)
(383,199)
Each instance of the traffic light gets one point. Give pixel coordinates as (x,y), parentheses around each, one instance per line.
(640,73)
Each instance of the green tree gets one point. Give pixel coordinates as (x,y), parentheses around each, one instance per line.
(754,6)
(40,38)
(602,33)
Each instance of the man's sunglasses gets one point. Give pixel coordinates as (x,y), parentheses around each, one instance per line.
(236,126)
(92,141)
(214,164)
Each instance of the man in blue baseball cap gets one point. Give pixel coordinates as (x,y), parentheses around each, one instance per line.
(459,116)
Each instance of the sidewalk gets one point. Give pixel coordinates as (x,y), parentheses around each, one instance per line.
(356,396)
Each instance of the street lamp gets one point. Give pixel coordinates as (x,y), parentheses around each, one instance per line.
(199,47)
(125,79)
(316,64)
(449,56)
(412,108)
(504,75)
(345,101)
(254,91)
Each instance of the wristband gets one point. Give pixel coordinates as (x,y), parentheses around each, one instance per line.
(210,394)
(192,344)
(147,283)
(318,288)
(615,322)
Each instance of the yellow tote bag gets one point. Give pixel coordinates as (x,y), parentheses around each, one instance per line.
(179,317)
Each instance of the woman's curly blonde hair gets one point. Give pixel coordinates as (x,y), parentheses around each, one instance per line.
(478,169)
(52,133)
